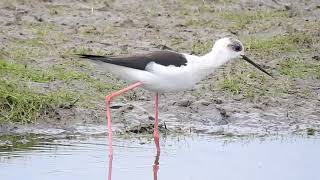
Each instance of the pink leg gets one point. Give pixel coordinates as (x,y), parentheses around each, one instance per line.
(156,131)
(108,100)
(156,137)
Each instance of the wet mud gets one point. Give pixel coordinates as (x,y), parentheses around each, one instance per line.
(235,101)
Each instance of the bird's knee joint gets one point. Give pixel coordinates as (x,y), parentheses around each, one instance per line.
(108,98)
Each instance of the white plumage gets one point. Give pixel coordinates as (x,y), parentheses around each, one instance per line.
(160,78)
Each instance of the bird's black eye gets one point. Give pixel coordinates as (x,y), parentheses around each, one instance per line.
(236,46)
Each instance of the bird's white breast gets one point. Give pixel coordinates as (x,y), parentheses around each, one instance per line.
(161,78)
(172,78)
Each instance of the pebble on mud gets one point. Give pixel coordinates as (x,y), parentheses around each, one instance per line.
(311,132)
(183,103)
(316,58)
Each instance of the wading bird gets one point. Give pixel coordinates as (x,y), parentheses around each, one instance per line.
(167,71)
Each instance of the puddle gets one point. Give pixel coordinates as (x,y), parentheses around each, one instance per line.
(188,158)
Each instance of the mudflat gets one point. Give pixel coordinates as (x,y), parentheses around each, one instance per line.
(45,89)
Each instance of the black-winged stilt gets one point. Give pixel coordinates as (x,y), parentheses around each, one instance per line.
(167,71)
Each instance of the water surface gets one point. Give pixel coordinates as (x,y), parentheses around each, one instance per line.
(190,158)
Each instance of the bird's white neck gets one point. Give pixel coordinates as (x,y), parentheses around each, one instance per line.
(205,65)
(214,59)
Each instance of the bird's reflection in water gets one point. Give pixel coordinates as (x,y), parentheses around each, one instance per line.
(156,161)
(155,166)
(110,167)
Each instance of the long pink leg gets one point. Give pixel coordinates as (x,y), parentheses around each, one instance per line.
(108,100)
(156,131)
(156,137)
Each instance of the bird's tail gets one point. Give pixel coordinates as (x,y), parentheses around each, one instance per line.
(93,57)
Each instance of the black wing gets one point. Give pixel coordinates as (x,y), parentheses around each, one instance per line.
(165,58)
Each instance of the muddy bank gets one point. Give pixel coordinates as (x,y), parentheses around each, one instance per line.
(283,36)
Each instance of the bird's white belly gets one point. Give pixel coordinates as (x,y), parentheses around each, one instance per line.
(160,78)
(170,83)
(170,79)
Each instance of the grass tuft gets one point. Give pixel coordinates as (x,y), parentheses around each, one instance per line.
(299,68)
(18,142)
(249,84)
(200,47)
(241,19)
(200,23)
(280,44)
(23,72)
(18,103)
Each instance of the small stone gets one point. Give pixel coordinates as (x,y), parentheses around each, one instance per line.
(311,131)
(316,58)
(40,19)
(8,24)
(149,26)
(287,7)
(23,141)
(204,103)
(223,113)
(217,101)
(183,103)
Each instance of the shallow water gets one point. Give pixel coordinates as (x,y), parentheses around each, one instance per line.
(200,158)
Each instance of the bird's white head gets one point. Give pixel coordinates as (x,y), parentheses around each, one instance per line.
(228,48)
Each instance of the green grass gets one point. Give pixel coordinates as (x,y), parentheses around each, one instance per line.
(11,143)
(32,42)
(231,84)
(252,84)
(176,41)
(249,84)
(36,46)
(22,49)
(56,72)
(299,68)
(90,31)
(201,48)
(19,103)
(311,131)
(285,43)
(84,50)
(241,19)
(23,72)
(200,23)
(64,74)
(41,29)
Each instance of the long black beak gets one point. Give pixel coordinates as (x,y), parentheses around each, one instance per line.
(255,65)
